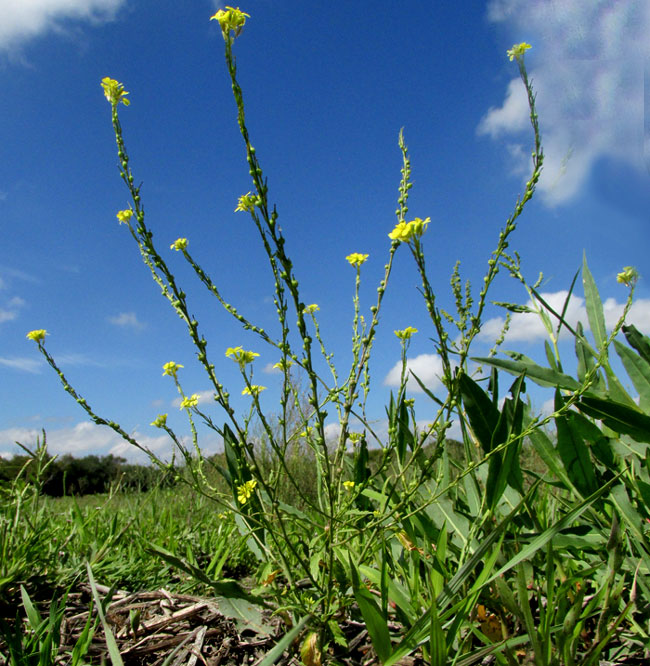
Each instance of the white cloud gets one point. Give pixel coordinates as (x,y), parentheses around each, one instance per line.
(127,320)
(25,19)
(428,368)
(587,67)
(529,327)
(24,364)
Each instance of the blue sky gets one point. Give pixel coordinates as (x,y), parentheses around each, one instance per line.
(327,87)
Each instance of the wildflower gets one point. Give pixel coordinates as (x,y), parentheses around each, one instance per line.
(230,19)
(348,485)
(160,422)
(171,368)
(124,216)
(253,389)
(179,244)
(37,336)
(283,365)
(247,203)
(192,401)
(242,357)
(405,231)
(518,50)
(406,333)
(356,259)
(355,437)
(307,431)
(628,276)
(245,491)
(114,91)
(310,309)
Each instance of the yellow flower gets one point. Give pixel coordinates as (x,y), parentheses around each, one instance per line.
(124,216)
(355,437)
(37,336)
(628,276)
(230,19)
(348,485)
(406,333)
(518,50)
(171,368)
(114,91)
(253,390)
(405,231)
(356,259)
(242,357)
(247,203)
(310,309)
(179,244)
(192,401)
(160,422)
(283,365)
(245,491)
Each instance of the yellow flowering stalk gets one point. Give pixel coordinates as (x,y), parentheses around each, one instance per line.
(405,231)
(114,91)
(518,50)
(179,244)
(192,401)
(171,368)
(230,19)
(241,356)
(124,216)
(245,491)
(628,276)
(348,485)
(406,333)
(247,203)
(310,309)
(283,365)
(356,259)
(254,389)
(37,336)
(160,422)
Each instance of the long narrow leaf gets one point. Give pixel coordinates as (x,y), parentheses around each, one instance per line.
(543,376)
(593,306)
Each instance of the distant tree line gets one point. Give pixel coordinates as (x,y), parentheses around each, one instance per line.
(67,475)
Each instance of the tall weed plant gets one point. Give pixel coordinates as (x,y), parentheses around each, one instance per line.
(460,556)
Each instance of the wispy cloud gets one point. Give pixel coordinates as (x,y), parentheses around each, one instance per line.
(587,66)
(127,320)
(23,20)
(30,365)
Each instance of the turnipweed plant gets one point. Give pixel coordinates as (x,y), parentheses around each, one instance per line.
(418,541)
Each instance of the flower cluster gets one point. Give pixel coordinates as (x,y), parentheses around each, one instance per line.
(114,91)
(192,401)
(160,422)
(38,335)
(241,356)
(310,309)
(518,50)
(356,259)
(253,389)
(283,365)
(405,231)
(124,216)
(247,203)
(171,368)
(245,491)
(406,333)
(230,19)
(628,276)
(179,244)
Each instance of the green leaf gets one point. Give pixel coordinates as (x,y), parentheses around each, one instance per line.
(375,622)
(620,418)
(594,306)
(573,451)
(482,414)
(637,340)
(111,643)
(437,642)
(639,372)
(540,375)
